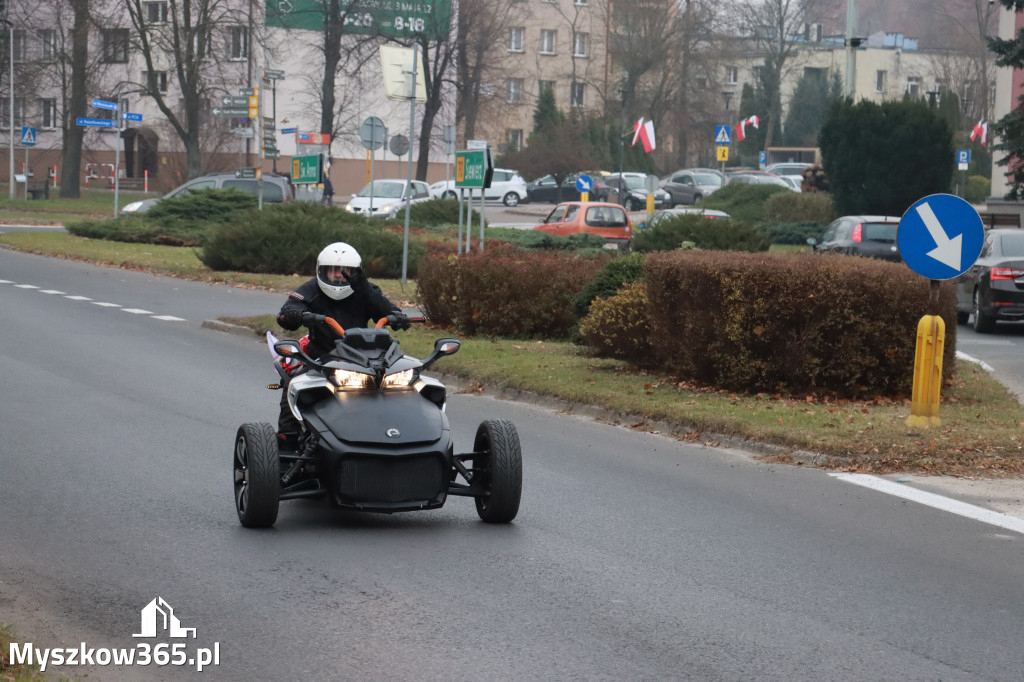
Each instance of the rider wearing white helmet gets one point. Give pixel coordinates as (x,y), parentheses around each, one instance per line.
(340,290)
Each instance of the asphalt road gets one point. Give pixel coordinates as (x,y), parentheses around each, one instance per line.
(634,557)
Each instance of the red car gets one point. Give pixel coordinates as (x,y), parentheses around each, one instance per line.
(577,217)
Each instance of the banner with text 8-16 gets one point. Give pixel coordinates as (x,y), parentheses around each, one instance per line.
(388,18)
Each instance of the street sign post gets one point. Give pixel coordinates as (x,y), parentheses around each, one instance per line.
(248,173)
(372,133)
(963,159)
(306,169)
(722,135)
(584,184)
(235,112)
(940,236)
(95,122)
(129,116)
(273,74)
(101,104)
(28,136)
(471,168)
(399,145)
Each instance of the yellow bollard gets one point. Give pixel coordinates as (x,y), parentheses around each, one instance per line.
(924,402)
(584,196)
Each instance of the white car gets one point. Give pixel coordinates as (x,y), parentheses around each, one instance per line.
(387,198)
(507,186)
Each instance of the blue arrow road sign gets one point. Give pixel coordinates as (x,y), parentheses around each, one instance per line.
(584,183)
(940,236)
(95,122)
(28,136)
(722,135)
(101,104)
(129,116)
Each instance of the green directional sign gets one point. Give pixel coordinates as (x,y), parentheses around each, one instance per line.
(306,169)
(426,18)
(231,111)
(473,168)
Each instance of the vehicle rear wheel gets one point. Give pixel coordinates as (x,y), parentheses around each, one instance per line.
(697,198)
(983,324)
(629,205)
(449,195)
(961,318)
(511,199)
(498,458)
(257,475)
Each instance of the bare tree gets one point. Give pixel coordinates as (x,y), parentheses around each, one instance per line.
(71,169)
(483,24)
(969,67)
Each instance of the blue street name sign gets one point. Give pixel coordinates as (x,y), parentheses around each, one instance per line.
(722,135)
(101,104)
(940,236)
(584,183)
(129,116)
(289,131)
(95,122)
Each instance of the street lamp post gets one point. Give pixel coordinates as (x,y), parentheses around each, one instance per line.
(10,101)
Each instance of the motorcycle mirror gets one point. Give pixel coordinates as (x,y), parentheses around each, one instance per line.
(442,347)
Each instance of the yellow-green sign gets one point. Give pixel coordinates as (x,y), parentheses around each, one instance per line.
(471,168)
(388,18)
(306,169)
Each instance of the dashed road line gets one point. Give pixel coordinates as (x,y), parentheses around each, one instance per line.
(102,304)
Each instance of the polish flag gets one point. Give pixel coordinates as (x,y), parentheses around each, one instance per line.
(741,128)
(645,133)
(980,130)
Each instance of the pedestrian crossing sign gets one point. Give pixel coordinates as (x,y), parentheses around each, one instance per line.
(28,136)
(721,135)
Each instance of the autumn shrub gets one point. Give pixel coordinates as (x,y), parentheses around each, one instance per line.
(504,291)
(613,276)
(799,207)
(618,326)
(791,323)
(742,201)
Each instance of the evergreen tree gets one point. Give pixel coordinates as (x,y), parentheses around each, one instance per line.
(815,93)
(546,116)
(1009,130)
(881,158)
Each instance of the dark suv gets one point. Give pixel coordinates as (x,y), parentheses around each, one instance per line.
(873,236)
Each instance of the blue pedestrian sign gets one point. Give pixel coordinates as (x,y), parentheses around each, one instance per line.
(95,122)
(940,236)
(584,183)
(28,136)
(722,135)
(101,104)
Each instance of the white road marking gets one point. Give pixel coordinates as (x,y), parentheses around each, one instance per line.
(135,311)
(932,500)
(138,311)
(169,318)
(51,291)
(78,298)
(6,281)
(107,305)
(960,355)
(26,286)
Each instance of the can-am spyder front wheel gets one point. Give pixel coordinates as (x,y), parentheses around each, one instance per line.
(498,459)
(257,475)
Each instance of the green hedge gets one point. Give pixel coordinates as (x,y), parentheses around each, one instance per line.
(704,233)
(743,202)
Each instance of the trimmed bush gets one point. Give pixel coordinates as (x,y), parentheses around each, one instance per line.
(615,273)
(791,323)
(704,233)
(585,244)
(799,207)
(285,239)
(437,212)
(619,326)
(202,206)
(140,230)
(978,189)
(791,233)
(743,202)
(504,291)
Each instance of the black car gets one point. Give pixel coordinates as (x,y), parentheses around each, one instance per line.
(993,288)
(631,190)
(873,236)
(545,190)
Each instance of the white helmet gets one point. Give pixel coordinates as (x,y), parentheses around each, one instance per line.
(338,254)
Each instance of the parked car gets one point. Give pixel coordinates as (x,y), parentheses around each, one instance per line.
(753,177)
(692,185)
(632,191)
(387,197)
(661,216)
(276,190)
(598,218)
(993,288)
(507,186)
(545,190)
(861,235)
(793,169)
(795,183)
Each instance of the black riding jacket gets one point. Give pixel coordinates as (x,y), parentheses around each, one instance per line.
(352,311)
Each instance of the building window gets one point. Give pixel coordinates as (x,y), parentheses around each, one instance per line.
(515,139)
(880,81)
(156,81)
(19,112)
(514,90)
(545,85)
(547,41)
(580,3)
(941,85)
(702,83)
(20,46)
(913,86)
(239,43)
(515,39)
(156,12)
(580,43)
(115,46)
(48,109)
(201,42)
(578,96)
(48,37)
(732,75)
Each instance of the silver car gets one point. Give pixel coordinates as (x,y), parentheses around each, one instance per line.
(276,190)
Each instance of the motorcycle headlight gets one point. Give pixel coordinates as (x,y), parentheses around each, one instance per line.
(344,380)
(400,379)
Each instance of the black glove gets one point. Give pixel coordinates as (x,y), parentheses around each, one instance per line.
(357,280)
(290,318)
(309,318)
(399,321)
